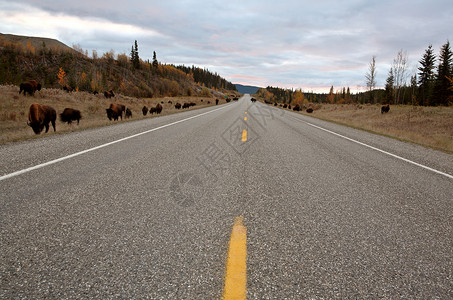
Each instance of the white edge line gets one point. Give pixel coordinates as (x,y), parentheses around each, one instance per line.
(382,151)
(10,175)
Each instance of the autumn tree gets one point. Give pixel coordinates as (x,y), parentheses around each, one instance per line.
(155,62)
(371,78)
(61,77)
(399,68)
(298,98)
(426,76)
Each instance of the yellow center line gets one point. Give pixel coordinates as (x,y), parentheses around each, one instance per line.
(236,271)
(245,118)
(244,135)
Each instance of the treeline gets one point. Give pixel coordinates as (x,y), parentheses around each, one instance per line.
(128,75)
(207,78)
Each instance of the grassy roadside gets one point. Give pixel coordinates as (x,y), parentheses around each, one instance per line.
(14,110)
(427,126)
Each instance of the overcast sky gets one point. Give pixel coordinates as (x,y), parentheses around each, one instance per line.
(292,44)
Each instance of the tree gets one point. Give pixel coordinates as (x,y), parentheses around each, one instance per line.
(426,76)
(155,62)
(371,78)
(389,87)
(135,59)
(399,67)
(442,90)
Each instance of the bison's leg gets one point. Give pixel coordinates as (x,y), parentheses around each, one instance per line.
(53,125)
(47,127)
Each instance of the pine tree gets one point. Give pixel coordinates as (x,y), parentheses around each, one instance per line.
(426,76)
(155,62)
(135,59)
(389,87)
(442,90)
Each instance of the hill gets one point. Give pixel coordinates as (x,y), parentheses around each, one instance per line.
(246,89)
(35,42)
(55,65)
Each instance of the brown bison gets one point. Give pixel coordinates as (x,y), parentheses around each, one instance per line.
(158,108)
(29,87)
(309,110)
(178,105)
(68,89)
(39,117)
(69,114)
(385,108)
(186,105)
(114,111)
(253,100)
(145,110)
(296,107)
(109,94)
(128,113)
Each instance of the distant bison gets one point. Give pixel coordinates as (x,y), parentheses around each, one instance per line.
(145,110)
(68,88)
(29,87)
(253,100)
(115,111)
(69,114)
(178,105)
(39,116)
(128,113)
(296,107)
(185,105)
(109,94)
(385,109)
(309,110)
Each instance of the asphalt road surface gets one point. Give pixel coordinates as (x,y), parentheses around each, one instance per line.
(145,209)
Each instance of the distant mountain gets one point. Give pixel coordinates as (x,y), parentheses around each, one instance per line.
(246,89)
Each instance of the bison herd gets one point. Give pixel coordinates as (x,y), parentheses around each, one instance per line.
(41,116)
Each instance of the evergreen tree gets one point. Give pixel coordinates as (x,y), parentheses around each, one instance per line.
(155,62)
(389,87)
(426,76)
(442,90)
(135,59)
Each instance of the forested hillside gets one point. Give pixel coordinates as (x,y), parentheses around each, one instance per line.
(56,67)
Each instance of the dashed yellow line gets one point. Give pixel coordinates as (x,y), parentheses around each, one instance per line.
(236,270)
(244,135)
(245,118)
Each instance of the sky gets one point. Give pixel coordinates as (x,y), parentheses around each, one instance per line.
(308,45)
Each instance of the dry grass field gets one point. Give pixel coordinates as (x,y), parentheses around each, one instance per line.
(14,110)
(428,126)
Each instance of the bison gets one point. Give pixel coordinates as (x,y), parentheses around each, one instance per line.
(69,115)
(385,109)
(29,87)
(145,110)
(39,117)
(185,105)
(296,107)
(309,110)
(178,105)
(128,113)
(109,94)
(68,89)
(114,111)
(253,100)
(158,108)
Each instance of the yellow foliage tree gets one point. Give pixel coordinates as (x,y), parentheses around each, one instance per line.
(298,98)
(61,77)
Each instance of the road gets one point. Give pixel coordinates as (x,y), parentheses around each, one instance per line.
(145,210)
